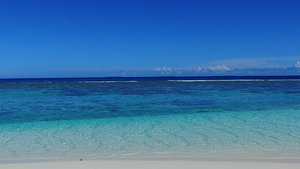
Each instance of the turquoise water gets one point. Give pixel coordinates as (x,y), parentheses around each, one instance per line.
(251,118)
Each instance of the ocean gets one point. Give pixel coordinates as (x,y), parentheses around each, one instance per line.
(243,117)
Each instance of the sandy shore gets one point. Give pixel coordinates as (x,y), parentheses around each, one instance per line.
(152,164)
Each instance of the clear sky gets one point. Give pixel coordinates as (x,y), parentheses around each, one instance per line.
(47,38)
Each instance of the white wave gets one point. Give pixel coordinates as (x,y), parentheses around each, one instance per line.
(236,80)
(131,81)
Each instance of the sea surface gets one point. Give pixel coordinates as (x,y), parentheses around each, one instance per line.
(240,117)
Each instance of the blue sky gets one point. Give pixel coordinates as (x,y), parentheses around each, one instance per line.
(67,38)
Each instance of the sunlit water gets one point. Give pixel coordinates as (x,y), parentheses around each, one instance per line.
(72,118)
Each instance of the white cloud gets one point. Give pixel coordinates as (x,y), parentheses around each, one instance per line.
(167,69)
(219,68)
(263,62)
(164,70)
(297,65)
(157,69)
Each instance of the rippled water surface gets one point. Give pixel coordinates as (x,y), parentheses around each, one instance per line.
(99,117)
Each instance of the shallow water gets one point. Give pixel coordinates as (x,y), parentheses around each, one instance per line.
(96,118)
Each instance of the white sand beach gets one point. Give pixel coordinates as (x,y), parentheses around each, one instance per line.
(150,164)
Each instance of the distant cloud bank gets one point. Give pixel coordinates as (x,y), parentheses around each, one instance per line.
(163,70)
(220,68)
(216,70)
(168,70)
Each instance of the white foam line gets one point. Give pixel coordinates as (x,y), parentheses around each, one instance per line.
(107,81)
(238,80)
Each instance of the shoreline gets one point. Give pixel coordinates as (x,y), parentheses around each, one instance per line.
(151,164)
(156,157)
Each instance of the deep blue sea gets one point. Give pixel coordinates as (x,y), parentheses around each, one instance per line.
(249,117)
